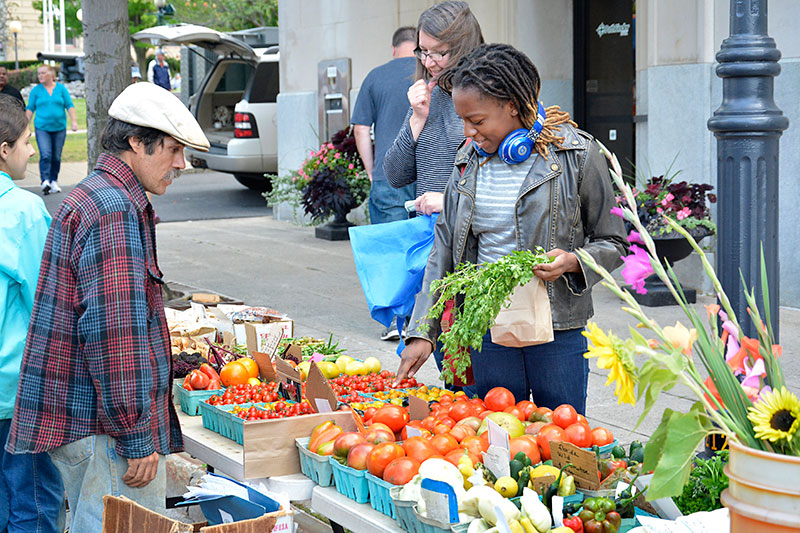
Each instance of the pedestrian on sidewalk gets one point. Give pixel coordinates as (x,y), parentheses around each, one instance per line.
(96,368)
(47,102)
(5,88)
(31,492)
(382,103)
(529,178)
(158,71)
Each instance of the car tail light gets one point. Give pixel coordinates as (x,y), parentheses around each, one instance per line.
(244,126)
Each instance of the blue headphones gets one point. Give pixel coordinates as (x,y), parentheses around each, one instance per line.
(518,145)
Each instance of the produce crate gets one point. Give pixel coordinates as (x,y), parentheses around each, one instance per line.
(191,400)
(605,451)
(572,498)
(316,467)
(404,512)
(212,417)
(429,525)
(379,495)
(350,482)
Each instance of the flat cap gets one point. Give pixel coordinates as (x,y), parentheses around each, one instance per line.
(151,106)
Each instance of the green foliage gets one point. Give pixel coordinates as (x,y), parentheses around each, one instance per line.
(228,15)
(485,289)
(10,65)
(25,76)
(706,482)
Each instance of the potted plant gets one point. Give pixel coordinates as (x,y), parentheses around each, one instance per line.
(737,381)
(330,183)
(686,204)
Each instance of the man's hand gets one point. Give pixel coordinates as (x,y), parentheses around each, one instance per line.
(413,357)
(141,471)
(563,262)
(429,203)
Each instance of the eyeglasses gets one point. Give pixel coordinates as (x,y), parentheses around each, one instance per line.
(435,56)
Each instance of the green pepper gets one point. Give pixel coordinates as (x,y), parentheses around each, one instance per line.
(515,467)
(618,452)
(603,465)
(524,477)
(635,445)
(637,455)
(598,516)
(624,501)
(552,490)
(522,458)
(567,486)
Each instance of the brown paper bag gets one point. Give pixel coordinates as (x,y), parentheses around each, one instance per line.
(527,320)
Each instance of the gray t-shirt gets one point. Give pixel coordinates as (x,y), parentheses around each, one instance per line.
(383,101)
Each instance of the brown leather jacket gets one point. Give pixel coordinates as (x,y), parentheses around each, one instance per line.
(564,202)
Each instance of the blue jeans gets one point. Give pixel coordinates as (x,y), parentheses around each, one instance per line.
(31,492)
(555,372)
(91,468)
(50,144)
(387,204)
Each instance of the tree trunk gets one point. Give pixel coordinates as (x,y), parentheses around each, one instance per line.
(108,64)
(141,60)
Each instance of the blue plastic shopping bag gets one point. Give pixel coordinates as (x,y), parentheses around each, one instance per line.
(390,261)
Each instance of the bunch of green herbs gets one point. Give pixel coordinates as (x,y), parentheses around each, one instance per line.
(706,482)
(482,290)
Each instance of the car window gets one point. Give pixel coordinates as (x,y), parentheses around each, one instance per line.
(266,84)
(235,77)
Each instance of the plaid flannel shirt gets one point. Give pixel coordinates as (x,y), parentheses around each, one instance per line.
(97,358)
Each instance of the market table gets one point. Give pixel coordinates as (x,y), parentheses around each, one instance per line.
(344,512)
(212,448)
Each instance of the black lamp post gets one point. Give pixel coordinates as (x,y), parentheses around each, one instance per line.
(15,26)
(165,9)
(748,127)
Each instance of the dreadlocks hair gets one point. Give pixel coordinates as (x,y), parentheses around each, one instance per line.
(506,74)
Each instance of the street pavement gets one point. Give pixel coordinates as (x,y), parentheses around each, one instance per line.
(224,239)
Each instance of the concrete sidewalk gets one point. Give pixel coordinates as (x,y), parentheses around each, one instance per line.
(70,174)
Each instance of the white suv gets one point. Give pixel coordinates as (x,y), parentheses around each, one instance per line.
(235,104)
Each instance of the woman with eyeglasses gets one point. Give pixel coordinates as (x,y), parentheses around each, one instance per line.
(425,147)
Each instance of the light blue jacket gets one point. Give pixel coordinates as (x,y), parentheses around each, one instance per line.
(24,222)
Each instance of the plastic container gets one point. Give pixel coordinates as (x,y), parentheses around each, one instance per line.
(350,482)
(429,525)
(316,467)
(404,512)
(211,417)
(379,495)
(190,400)
(605,451)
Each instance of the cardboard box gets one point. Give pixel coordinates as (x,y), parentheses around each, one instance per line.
(121,515)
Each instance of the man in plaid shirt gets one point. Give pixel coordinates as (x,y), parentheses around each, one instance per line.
(95,385)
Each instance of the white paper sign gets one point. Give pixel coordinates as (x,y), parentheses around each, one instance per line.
(497,435)
(199,310)
(496,460)
(323,405)
(413,432)
(558,511)
(437,505)
(226,517)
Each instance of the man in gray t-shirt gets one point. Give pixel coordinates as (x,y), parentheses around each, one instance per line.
(382,102)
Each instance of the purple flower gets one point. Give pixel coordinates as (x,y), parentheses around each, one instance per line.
(635,237)
(616,210)
(637,268)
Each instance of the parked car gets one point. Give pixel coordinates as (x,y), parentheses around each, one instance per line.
(236,103)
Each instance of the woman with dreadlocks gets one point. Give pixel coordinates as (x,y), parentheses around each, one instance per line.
(529,177)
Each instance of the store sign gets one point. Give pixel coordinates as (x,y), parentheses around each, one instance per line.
(621,28)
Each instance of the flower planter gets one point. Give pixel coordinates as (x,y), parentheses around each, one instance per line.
(764,491)
(670,247)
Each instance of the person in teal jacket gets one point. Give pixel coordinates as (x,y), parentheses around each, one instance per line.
(46,103)
(31,491)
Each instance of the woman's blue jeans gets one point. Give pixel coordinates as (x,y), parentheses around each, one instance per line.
(50,144)
(554,373)
(31,491)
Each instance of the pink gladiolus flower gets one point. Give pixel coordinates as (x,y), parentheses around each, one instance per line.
(637,268)
(752,375)
(635,237)
(617,211)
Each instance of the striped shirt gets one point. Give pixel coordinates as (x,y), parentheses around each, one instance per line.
(496,193)
(97,358)
(428,160)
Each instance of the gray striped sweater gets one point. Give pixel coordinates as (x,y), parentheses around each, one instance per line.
(429,159)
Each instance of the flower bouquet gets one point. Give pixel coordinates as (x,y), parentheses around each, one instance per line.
(331,181)
(738,381)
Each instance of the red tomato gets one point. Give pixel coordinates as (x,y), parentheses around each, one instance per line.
(428,422)
(534,427)
(369,412)
(526,446)
(455,455)
(419,448)
(548,433)
(527,407)
(381,455)
(564,415)
(542,414)
(579,435)
(478,405)
(198,380)
(499,398)
(516,411)
(461,410)
(447,421)
(484,414)
(462,432)
(601,436)
(474,445)
(444,443)
(582,420)
(401,470)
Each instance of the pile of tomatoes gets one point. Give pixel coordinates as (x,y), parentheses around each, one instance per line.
(271,411)
(244,393)
(373,382)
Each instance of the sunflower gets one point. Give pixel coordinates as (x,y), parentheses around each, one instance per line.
(776,416)
(615,356)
